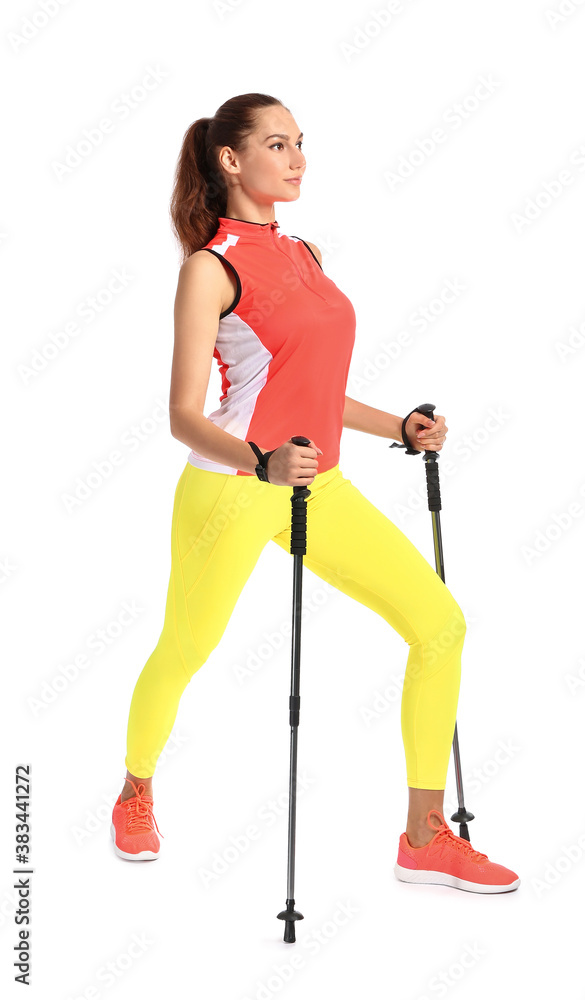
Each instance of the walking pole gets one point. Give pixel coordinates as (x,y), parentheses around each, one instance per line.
(298,548)
(462,816)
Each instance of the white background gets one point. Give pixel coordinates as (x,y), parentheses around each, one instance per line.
(367,84)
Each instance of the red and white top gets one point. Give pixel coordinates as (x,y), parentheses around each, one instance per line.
(283,347)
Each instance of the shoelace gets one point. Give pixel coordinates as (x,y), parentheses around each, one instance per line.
(445,837)
(139,811)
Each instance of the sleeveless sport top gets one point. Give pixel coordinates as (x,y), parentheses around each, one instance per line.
(283,347)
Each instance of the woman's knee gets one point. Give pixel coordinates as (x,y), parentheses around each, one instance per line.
(447,640)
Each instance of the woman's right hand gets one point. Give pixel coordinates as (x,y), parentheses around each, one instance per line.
(293,464)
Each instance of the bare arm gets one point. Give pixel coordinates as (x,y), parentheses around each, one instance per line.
(360,417)
(198,304)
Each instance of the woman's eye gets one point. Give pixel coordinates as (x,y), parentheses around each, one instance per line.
(275,144)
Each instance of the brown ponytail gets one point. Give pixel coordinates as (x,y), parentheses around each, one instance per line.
(199,192)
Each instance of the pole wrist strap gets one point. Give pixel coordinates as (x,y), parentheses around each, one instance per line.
(262,461)
(409,449)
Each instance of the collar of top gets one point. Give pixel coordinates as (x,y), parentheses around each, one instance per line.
(240,227)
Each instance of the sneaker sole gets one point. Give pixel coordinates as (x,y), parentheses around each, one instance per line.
(142,856)
(440,878)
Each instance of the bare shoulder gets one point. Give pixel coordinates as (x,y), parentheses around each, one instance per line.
(316,251)
(201,262)
(204,270)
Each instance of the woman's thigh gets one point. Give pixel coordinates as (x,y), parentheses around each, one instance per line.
(220,525)
(360,551)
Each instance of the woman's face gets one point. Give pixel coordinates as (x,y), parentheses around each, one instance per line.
(262,169)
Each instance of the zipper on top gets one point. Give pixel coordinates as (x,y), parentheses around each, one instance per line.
(275,239)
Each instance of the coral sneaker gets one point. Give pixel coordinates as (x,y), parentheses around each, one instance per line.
(132,827)
(450,860)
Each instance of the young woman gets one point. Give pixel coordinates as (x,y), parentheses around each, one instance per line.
(282,333)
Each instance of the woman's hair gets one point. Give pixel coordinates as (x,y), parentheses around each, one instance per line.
(199,192)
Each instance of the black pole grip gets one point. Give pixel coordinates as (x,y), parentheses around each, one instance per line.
(300,439)
(426,409)
(430,457)
(433,488)
(298,526)
(431,467)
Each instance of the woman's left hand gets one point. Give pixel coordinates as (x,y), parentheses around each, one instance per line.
(425,434)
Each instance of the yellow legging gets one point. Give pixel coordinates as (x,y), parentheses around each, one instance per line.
(221,523)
